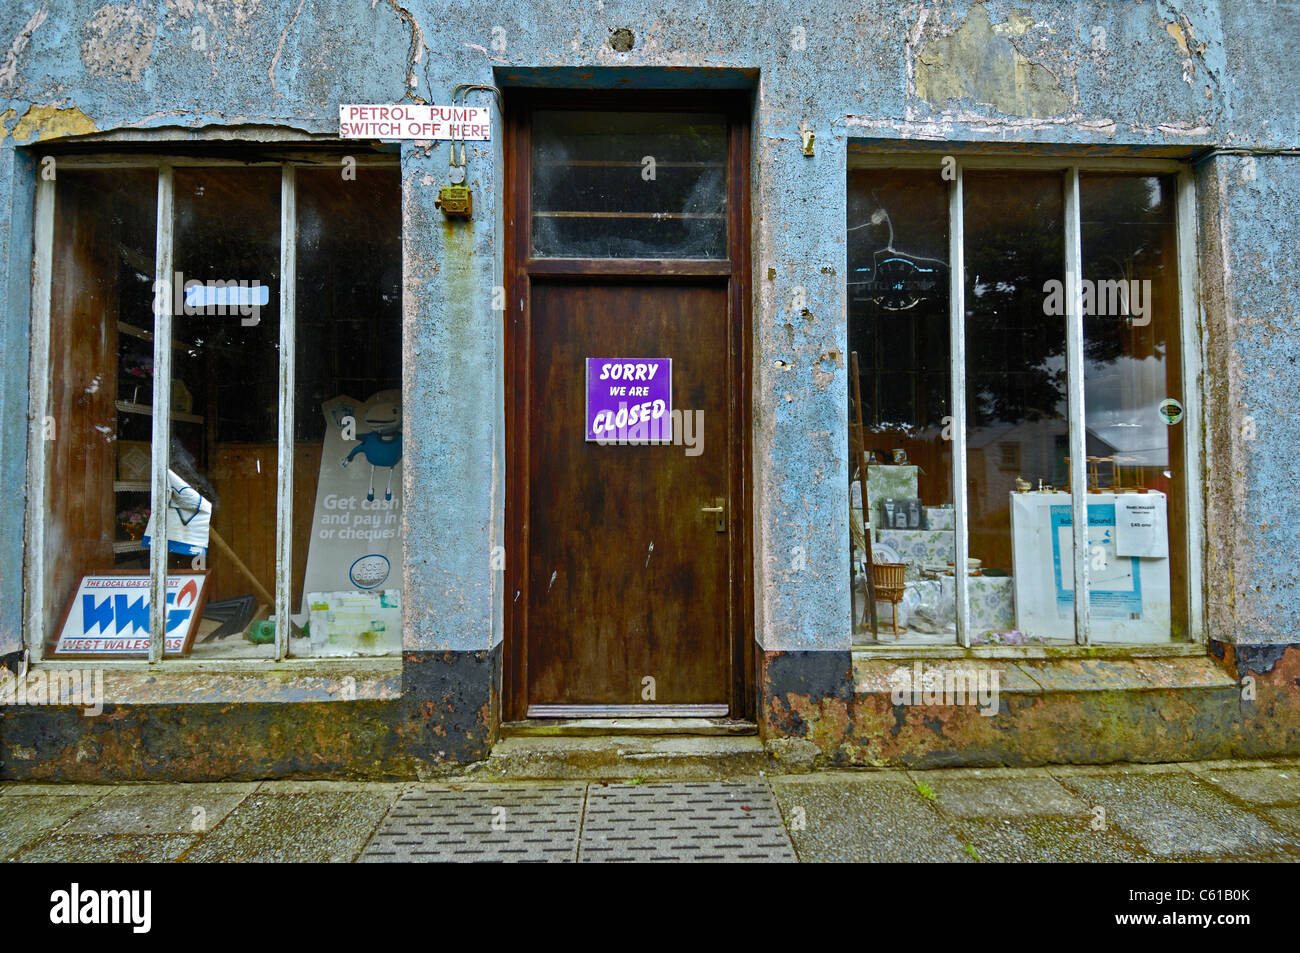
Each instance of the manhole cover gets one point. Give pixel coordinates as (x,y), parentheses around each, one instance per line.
(481,823)
(704,821)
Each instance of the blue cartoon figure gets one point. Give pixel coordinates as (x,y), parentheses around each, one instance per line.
(381,444)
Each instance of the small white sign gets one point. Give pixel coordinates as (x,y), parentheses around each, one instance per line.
(414,121)
(1141,525)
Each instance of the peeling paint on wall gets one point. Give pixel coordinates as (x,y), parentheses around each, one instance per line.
(9,71)
(46,122)
(980,62)
(120,41)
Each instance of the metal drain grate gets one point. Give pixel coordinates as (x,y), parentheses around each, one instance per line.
(704,821)
(490,822)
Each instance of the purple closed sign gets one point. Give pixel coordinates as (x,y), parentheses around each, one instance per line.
(630,399)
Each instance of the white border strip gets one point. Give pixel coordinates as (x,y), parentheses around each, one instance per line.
(1078,440)
(162,410)
(38,409)
(288,367)
(1195,452)
(957,333)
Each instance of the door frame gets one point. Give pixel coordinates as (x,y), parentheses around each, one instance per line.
(520,270)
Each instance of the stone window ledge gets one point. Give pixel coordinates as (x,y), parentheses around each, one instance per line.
(182,682)
(1040,676)
(1063,650)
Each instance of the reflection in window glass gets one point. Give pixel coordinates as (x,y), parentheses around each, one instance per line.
(97,455)
(629,185)
(225,398)
(1132,376)
(899,338)
(1017,426)
(348,418)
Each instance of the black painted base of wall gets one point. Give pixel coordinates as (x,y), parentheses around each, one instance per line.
(815,677)
(447,715)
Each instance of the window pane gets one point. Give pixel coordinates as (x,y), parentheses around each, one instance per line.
(225,399)
(899,335)
(1132,371)
(100,360)
(629,185)
(347,495)
(1016,412)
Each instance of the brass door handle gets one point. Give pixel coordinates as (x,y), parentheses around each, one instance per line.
(720,508)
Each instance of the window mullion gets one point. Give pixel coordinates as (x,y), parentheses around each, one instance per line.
(957,330)
(42,287)
(1075,388)
(288,354)
(1193,349)
(164,295)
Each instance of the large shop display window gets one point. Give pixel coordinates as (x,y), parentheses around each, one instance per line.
(1016,404)
(249,471)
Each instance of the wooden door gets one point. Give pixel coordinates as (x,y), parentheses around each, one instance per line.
(627,563)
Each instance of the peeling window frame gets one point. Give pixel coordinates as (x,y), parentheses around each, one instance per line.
(1193,349)
(34,629)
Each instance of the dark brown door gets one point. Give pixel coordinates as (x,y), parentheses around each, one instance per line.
(627,562)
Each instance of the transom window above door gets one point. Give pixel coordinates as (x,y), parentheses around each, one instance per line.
(629,185)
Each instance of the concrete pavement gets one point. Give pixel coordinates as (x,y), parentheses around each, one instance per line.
(1141,813)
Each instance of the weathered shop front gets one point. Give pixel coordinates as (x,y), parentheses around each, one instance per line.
(900,387)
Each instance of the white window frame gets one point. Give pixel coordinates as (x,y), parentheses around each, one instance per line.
(1193,360)
(164,257)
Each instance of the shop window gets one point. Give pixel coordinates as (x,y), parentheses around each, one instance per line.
(900,410)
(283,513)
(1053,448)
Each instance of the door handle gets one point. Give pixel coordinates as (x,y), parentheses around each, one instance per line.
(719,508)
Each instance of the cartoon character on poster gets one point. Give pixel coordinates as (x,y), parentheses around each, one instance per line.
(381,443)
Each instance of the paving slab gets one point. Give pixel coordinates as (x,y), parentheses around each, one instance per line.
(35,816)
(1002,797)
(330,826)
(1265,786)
(864,819)
(160,809)
(481,822)
(1287,818)
(706,821)
(922,774)
(624,757)
(1176,815)
(43,789)
(305,787)
(1115,770)
(108,849)
(1047,840)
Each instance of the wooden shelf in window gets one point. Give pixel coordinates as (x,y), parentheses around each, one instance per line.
(131,486)
(127,407)
(135,332)
(128,546)
(655,215)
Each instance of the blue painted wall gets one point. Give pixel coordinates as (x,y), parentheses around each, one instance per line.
(1174,75)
